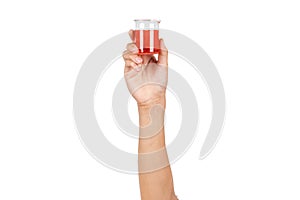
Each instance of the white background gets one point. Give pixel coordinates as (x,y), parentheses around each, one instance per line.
(255,46)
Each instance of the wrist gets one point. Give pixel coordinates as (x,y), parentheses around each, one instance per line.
(151,102)
(152,112)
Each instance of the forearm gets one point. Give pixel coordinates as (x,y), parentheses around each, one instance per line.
(155,175)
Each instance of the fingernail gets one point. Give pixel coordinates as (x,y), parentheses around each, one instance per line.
(138,59)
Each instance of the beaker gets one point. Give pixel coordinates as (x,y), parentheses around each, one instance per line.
(146,36)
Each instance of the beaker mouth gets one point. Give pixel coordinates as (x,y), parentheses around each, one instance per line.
(147,20)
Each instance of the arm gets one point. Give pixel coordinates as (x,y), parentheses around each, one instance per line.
(146,80)
(156,184)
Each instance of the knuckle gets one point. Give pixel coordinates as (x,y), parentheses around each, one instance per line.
(129,63)
(132,57)
(164,50)
(130,45)
(126,55)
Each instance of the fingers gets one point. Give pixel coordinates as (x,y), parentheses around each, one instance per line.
(132,47)
(130,55)
(129,64)
(163,54)
(131,58)
(127,55)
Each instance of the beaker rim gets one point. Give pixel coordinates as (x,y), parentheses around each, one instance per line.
(148,20)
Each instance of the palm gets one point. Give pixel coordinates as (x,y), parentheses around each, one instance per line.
(149,83)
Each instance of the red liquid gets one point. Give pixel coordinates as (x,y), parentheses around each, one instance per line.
(147,42)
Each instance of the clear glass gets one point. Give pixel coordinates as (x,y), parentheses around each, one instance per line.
(146,36)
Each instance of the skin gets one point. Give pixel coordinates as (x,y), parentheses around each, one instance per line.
(146,79)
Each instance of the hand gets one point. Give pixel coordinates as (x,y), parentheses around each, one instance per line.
(146,77)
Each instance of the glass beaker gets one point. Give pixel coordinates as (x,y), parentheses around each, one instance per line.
(147,36)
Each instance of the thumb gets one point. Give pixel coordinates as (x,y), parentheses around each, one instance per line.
(163,53)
